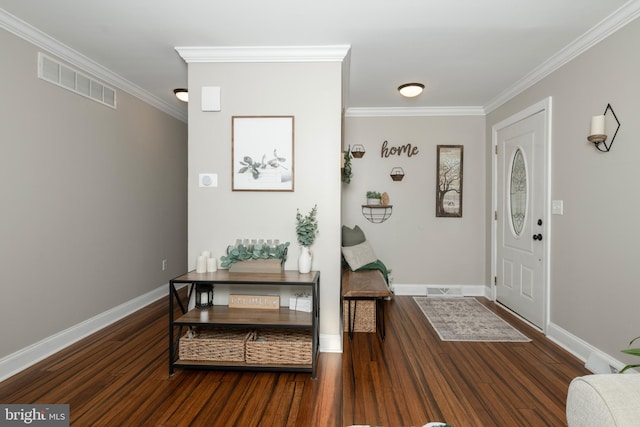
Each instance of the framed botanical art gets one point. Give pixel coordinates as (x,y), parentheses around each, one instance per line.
(262,153)
(449,181)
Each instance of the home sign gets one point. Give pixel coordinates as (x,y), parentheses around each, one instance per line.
(407,149)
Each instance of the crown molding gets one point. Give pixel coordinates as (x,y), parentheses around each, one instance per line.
(335,53)
(609,25)
(414,112)
(43,41)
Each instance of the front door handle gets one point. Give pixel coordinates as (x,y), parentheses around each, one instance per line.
(537,236)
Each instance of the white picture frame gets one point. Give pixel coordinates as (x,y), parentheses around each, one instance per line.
(262,150)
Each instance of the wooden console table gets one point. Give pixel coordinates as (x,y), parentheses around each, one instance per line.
(224,316)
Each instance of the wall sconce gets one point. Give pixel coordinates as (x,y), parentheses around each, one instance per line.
(181,94)
(597,135)
(357,151)
(204,295)
(397,174)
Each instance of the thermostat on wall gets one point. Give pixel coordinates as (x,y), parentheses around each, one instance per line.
(208,180)
(211,98)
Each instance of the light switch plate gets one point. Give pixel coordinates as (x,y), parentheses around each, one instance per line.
(557,207)
(208,180)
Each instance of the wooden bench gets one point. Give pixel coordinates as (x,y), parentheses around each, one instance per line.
(364,285)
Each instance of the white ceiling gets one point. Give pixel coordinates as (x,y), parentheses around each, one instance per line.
(468,53)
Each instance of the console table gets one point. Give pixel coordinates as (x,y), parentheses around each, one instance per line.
(223,316)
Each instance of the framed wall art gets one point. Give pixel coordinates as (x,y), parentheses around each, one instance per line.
(262,153)
(449,181)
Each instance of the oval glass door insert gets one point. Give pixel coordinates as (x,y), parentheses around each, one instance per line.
(518,192)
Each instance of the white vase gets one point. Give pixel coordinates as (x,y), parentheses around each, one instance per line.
(304,260)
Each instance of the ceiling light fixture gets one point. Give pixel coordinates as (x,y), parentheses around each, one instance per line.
(182,94)
(411,90)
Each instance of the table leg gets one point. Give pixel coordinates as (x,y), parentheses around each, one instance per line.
(380,314)
(171,354)
(352,323)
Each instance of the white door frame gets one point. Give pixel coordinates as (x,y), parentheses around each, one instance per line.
(542,106)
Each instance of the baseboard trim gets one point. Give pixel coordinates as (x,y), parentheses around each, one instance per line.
(596,360)
(28,356)
(330,343)
(422,289)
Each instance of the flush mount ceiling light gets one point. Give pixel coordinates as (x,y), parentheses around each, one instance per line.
(182,94)
(411,90)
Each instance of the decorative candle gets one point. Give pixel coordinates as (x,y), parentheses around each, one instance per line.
(212,265)
(597,125)
(203,299)
(201,264)
(206,254)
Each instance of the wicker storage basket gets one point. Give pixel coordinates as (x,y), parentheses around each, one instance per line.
(214,344)
(280,347)
(365,315)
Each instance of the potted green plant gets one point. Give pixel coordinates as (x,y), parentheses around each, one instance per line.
(633,352)
(239,253)
(373,197)
(346,167)
(306,230)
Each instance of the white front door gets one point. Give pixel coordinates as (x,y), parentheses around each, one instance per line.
(521,212)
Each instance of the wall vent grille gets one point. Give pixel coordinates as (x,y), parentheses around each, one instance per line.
(66,77)
(453,291)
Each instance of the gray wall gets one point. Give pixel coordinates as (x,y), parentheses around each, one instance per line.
(594,248)
(219,216)
(420,248)
(92,199)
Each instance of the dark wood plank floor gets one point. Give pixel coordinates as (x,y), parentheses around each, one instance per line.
(412,377)
(119,377)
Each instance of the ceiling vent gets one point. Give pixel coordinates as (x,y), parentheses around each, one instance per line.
(64,76)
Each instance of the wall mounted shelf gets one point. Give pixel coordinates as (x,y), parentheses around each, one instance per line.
(377,213)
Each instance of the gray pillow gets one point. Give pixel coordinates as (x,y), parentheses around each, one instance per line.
(359,255)
(352,236)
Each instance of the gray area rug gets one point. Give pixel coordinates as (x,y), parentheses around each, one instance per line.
(466,319)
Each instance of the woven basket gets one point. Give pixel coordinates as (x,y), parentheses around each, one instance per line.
(365,315)
(214,344)
(280,347)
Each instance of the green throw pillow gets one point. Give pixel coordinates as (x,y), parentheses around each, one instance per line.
(352,236)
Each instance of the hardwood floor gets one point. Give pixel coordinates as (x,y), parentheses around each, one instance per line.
(119,377)
(412,377)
